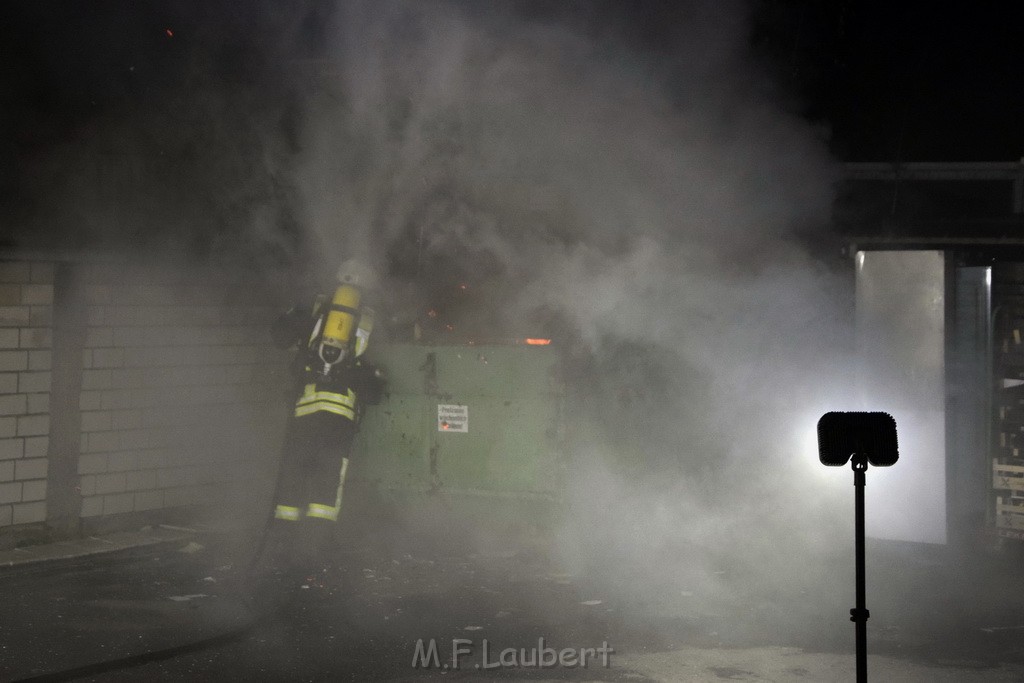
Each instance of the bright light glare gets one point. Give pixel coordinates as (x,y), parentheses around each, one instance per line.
(805,440)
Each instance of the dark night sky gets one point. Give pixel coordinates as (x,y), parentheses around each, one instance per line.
(941,80)
(891,81)
(916,81)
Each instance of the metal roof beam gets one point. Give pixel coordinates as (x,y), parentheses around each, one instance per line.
(936,170)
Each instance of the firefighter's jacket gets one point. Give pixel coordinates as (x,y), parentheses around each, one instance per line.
(343,388)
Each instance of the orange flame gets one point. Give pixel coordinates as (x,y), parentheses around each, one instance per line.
(537,342)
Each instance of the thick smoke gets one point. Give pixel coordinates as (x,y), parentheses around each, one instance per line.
(645,209)
(638,204)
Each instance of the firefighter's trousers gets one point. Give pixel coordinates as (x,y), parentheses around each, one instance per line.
(313,467)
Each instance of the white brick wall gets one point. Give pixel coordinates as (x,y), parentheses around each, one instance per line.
(35,447)
(34,468)
(177,378)
(26,336)
(10,492)
(12,448)
(27,513)
(13,361)
(174,377)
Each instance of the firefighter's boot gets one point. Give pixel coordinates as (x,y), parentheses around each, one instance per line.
(317,541)
(273,572)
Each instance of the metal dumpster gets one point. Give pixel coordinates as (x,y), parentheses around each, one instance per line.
(476,427)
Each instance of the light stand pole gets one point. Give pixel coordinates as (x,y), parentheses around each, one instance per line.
(859,614)
(858,438)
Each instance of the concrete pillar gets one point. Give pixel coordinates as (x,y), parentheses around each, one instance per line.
(64,499)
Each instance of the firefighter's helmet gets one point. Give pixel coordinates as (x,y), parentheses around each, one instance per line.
(357,274)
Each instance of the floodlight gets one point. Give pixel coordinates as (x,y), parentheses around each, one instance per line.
(861,438)
(868,435)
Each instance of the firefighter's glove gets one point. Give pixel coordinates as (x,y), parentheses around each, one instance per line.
(288,329)
(371,382)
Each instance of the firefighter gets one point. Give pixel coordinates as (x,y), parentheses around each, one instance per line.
(333,383)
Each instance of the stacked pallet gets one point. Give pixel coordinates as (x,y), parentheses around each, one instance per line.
(1008,451)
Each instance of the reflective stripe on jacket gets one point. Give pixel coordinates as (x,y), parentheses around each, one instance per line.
(312,401)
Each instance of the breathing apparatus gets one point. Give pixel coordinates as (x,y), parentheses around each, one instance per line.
(339,328)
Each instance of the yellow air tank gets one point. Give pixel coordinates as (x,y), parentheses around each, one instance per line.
(340,324)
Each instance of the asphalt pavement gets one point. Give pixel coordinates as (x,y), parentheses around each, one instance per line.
(169,604)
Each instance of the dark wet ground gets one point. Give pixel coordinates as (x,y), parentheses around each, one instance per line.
(379,599)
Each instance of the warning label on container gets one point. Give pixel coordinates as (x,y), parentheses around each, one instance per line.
(452,418)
